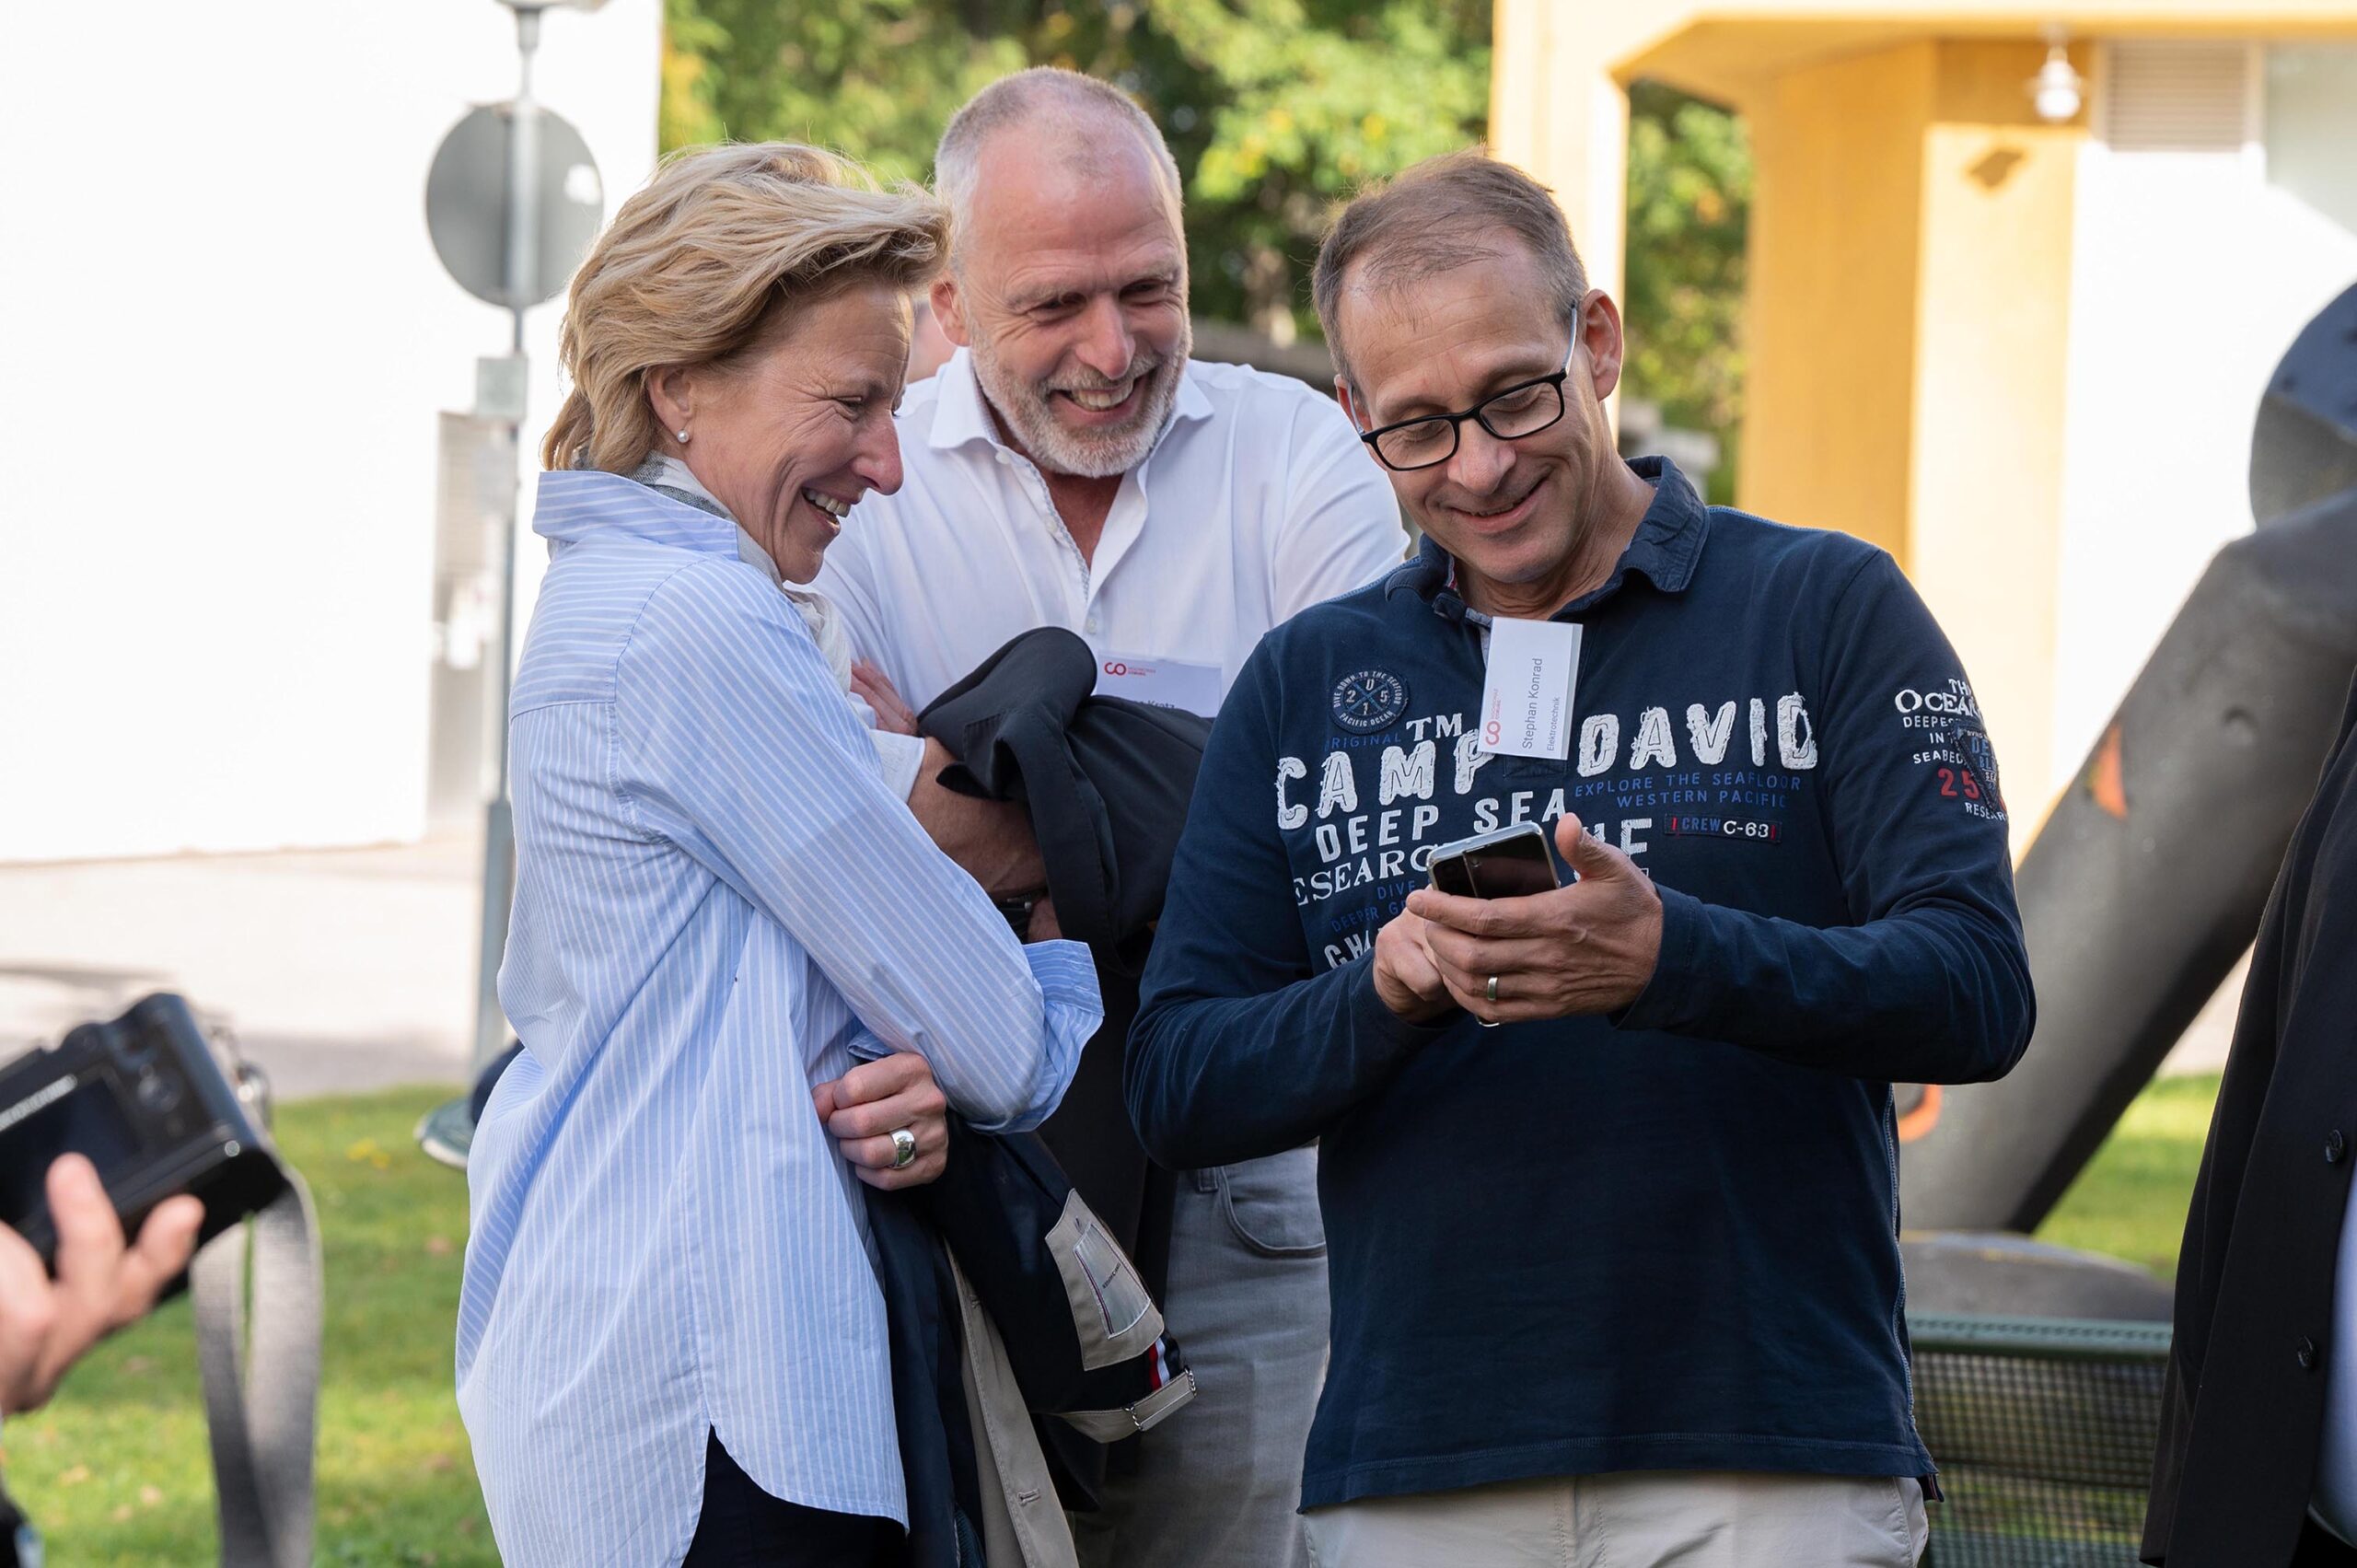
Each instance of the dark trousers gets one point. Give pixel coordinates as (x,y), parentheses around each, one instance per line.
(743,1526)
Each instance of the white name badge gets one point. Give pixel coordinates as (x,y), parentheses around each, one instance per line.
(1165,682)
(1526,694)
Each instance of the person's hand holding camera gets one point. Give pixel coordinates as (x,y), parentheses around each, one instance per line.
(101,1285)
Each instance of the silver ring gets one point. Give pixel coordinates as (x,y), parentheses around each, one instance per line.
(904,1147)
(1489,993)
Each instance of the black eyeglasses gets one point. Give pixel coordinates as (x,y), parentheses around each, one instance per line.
(1523,409)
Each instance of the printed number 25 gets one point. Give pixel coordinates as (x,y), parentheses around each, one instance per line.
(1948,783)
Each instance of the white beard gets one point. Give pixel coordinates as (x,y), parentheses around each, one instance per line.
(1095,454)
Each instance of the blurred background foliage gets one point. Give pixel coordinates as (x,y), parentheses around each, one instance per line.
(1689,210)
(1277,110)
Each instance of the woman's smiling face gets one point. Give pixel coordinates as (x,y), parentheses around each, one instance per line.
(790,437)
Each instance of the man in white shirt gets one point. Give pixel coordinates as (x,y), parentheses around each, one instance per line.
(1071,466)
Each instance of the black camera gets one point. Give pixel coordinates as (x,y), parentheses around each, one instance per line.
(144,1099)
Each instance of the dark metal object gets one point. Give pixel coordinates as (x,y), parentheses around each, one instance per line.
(1967,1273)
(2044,1432)
(2306,445)
(2148,880)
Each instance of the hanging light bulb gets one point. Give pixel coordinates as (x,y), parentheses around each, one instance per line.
(2057,90)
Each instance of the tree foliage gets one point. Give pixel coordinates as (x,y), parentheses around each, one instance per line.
(1689,204)
(1276,109)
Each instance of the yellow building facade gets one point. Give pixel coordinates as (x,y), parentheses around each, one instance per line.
(1955,303)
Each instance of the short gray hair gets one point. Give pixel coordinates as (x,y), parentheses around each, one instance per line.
(1438,215)
(1046,97)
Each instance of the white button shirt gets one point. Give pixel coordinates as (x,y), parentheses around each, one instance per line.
(1258,501)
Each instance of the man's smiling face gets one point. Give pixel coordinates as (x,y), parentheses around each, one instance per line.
(1512,512)
(1069,288)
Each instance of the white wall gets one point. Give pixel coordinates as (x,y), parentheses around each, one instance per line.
(2192,273)
(226,337)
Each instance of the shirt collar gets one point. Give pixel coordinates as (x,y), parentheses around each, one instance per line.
(661,471)
(958,413)
(676,480)
(961,414)
(1665,551)
(575,503)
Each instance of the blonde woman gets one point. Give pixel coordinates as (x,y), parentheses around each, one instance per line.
(744,979)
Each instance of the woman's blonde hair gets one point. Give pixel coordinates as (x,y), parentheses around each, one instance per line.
(723,247)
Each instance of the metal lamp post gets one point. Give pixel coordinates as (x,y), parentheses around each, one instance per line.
(512,202)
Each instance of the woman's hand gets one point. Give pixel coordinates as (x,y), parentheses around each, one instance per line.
(872,686)
(861,1109)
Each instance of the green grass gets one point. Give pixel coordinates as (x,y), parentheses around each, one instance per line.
(2130,1200)
(116,1470)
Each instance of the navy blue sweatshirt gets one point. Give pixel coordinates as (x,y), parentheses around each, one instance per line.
(1665,1239)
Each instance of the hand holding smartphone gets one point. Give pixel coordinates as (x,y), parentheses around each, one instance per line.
(1511,863)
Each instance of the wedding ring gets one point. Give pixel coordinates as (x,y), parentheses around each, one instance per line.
(1489,992)
(904,1147)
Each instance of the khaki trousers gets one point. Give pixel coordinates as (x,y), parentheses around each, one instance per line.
(1641,1519)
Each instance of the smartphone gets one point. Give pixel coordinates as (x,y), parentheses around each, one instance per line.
(1511,863)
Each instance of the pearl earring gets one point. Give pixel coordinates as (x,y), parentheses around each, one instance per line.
(683,438)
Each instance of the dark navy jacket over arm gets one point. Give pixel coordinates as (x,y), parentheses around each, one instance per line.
(1665,1239)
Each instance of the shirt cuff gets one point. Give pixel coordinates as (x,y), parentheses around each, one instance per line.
(1067,977)
(1676,990)
(901,757)
(1071,1010)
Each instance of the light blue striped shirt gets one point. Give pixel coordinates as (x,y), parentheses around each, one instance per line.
(718,905)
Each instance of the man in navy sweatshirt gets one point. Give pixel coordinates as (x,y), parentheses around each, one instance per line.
(1617,1280)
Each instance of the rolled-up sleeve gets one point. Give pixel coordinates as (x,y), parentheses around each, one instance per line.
(1067,978)
(738,748)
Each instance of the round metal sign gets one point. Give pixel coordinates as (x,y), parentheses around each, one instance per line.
(467,200)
